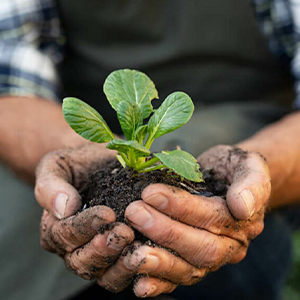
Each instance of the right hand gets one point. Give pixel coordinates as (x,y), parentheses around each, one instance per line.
(75,236)
(205,232)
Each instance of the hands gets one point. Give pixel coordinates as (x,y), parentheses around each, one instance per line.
(205,233)
(76,238)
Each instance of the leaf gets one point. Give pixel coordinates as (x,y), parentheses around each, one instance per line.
(131,86)
(182,163)
(86,121)
(141,133)
(124,146)
(174,112)
(130,118)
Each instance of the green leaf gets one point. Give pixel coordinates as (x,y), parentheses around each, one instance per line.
(125,146)
(141,133)
(182,163)
(174,112)
(130,118)
(86,121)
(131,86)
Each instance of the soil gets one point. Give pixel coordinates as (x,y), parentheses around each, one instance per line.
(116,187)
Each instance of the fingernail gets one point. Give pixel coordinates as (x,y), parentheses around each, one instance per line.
(96,223)
(249,201)
(148,263)
(159,201)
(140,217)
(152,290)
(152,262)
(60,205)
(115,241)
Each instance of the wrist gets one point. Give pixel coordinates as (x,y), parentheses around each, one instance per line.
(29,128)
(279,144)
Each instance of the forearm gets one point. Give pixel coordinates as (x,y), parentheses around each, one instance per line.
(280,144)
(30,128)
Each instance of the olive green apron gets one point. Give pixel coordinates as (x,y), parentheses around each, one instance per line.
(212,50)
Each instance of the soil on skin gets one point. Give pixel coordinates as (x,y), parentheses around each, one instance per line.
(116,187)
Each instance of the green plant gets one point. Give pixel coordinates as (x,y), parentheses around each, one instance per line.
(130,93)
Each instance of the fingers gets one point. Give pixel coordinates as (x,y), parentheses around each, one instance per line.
(54,190)
(86,251)
(153,262)
(70,233)
(211,214)
(248,174)
(162,263)
(198,247)
(60,173)
(91,260)
(151,287)
(57,196)
(119,277)
(251,187)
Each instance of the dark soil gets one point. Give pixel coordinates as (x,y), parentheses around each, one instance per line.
(116,187)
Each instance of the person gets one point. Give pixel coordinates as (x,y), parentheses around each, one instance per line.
(214,53)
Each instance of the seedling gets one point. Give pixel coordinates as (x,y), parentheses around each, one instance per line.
(130,93)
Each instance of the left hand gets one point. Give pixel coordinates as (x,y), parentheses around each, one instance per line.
(65,229)
(206,233)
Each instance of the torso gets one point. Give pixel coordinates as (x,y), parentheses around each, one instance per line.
(213,50)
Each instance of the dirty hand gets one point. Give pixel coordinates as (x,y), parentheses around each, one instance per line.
(76,237)
(205,232)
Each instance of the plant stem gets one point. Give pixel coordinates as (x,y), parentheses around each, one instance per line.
(140,161)
(124,158)
(131,158)
(147,164)
(149,142)
(157,167)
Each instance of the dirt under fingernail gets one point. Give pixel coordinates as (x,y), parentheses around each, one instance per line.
(96,223)
(115,241)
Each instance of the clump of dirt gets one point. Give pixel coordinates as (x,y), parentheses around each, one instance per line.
(117,187)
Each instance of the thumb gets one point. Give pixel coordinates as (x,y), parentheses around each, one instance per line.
(250,188)
(59,173)
(57,196)
(53,189)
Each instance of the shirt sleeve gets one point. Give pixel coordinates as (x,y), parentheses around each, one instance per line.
(280,22)
(30,47)
(295,11)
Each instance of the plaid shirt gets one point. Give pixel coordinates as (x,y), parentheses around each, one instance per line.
(280,22)
(30,47)
(31,43)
